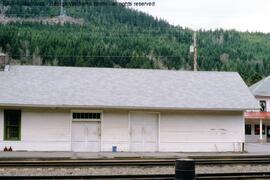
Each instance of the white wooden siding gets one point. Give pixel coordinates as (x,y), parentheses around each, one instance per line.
(1,126)
(199,132)
(50,130)
(86,136)
(115,130)
(144,132)
(47,130)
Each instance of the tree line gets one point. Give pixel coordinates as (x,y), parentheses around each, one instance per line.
(115,36)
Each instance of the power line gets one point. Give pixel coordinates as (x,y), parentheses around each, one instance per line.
(107,56)
(123,33)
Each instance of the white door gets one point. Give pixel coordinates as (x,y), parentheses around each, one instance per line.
(86,136)
(144,132)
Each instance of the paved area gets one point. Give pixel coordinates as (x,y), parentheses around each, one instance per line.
(257,148)
(252,148)
(122,155)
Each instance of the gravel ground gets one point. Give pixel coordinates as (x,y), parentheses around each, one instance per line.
(232,168)
(127,170)
(85,171)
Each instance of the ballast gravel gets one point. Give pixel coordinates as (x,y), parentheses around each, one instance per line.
(232,168)
(61,171)
(85,171)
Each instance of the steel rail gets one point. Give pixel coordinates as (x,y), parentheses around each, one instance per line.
(142,176)
(199,160)
(87,163)
(242,175)
(143,162)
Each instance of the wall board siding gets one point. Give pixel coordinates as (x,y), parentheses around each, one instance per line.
(201,132)
(1,125)
(50,130)
(200,147)
(115,130)
(46,130)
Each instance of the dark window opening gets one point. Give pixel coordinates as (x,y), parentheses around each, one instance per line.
(263,106)
(257,129)
(12,125)
(248,129)
(86,115)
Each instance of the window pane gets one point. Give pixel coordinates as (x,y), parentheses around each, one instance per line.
(90,115)
(12,122)
(248,129)
(263,106)
(82,115)
(86,115)
(12,133)
(257,129)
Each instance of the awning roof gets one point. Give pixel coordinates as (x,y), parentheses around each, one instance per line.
(257,115)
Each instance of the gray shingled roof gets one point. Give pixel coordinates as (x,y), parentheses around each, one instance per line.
(46,86)
(261,88)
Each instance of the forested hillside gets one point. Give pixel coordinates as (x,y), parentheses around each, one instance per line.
(116,36)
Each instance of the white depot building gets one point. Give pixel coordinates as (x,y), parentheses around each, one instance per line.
(45,108)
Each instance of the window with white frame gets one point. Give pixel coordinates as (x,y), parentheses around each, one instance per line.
(263,105)
(86,115)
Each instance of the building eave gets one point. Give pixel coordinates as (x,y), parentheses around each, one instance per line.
(53,106)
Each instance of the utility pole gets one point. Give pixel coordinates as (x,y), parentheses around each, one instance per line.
(193,49)
(195,64)
(62,13)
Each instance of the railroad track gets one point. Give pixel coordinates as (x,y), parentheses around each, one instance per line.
(136,162)
(127,177)
(81,163)
(202,160)
(247,175)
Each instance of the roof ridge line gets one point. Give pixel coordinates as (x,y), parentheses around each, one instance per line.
(132,69)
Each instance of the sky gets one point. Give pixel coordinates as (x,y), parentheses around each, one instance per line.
(242,15)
